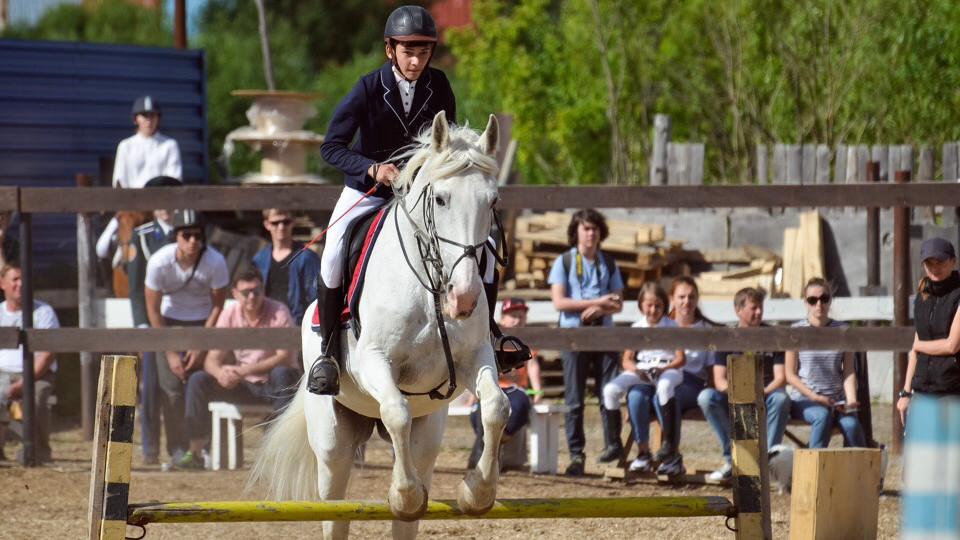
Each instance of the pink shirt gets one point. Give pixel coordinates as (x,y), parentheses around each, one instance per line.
(274,315)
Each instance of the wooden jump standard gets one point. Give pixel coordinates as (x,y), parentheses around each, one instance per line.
(110,511)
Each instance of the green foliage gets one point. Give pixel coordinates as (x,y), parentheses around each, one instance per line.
(584,78)
(109,21)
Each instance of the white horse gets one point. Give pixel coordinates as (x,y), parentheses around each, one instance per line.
(449,190)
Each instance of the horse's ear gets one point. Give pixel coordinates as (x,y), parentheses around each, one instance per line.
(441,131)
(490,137)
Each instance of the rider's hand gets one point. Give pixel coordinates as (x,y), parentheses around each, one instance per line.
(385,173)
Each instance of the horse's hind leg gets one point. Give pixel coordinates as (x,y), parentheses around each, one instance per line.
(335,434)
(426,437)
(478,489)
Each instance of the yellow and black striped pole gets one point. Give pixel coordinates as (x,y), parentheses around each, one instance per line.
(748,446)
(113,448)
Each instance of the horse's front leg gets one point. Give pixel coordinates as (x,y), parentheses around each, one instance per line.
(408,496)
(479,488)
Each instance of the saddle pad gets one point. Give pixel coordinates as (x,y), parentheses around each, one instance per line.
(352,310)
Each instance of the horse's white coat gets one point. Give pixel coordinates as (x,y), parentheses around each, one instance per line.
(400,348)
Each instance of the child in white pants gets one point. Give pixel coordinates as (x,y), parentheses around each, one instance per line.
(659,367)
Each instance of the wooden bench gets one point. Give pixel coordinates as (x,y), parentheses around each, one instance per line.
(544,434)
(226,438)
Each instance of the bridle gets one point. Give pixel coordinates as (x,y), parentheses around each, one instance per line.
(434,278)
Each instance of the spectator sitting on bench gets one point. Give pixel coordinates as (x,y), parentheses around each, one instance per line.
(684,297)
(259,376)
(821,380)
(11,362)
(513,314)
(748,305)
(660,371)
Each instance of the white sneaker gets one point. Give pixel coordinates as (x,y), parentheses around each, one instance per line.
(721,474)
(643,463)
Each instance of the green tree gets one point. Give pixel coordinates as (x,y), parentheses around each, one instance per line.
(110,21)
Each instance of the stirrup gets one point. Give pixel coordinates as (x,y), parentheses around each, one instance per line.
(508,360)
(324,377)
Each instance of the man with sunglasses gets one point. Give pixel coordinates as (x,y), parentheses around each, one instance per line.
(251,375)
(295,286)
(185,285)
(748,305)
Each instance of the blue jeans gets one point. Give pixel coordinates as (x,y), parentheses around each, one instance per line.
(641,396)
(821,420)
(202,388)
(150,406)
(520,406)
(577,365)
(715,409)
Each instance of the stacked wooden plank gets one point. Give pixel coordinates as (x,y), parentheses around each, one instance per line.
(639,249)
(802,254)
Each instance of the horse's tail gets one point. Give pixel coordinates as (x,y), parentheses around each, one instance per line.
(285,462)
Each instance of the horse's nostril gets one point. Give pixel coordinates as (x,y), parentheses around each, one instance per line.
(449,288)
(474,306)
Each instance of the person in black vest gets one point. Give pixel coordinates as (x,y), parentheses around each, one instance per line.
(933,365)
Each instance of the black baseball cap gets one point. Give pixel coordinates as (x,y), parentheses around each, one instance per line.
(938,248)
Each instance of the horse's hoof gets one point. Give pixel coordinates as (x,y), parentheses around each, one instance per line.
(399,512)
(473,501)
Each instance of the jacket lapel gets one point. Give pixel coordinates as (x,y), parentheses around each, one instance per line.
(391,93)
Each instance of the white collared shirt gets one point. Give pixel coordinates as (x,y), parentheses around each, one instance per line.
(407,89)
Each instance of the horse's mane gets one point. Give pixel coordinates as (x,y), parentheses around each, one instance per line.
(460,154)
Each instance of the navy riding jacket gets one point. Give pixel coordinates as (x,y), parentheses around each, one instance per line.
(372,111)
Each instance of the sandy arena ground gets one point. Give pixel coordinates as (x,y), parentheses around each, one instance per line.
(51,501)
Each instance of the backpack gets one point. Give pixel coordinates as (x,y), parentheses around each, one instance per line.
(605,259)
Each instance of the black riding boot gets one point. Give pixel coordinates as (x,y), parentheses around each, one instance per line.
(518,354)
(613,447)
(324,377)
(669,431)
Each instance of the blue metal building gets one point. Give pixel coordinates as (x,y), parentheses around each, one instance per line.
(64,106)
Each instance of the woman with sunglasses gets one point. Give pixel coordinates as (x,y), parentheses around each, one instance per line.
(823,383)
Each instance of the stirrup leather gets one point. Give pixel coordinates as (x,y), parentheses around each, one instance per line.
(508,360)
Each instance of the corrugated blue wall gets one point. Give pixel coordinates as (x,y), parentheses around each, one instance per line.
(64,106)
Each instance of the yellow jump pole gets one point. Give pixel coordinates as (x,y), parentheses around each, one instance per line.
(249,511)
(113,448)
(748,446)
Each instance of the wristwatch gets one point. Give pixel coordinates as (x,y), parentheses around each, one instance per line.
(906,394)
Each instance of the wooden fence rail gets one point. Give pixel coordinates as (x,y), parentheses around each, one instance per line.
(116,340)
(228,198)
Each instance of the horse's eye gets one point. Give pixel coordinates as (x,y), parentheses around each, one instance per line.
(439,201)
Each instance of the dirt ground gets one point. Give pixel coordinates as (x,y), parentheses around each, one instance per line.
(51,501)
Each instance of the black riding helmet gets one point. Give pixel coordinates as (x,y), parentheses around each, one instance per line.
(145,104)
(410,23)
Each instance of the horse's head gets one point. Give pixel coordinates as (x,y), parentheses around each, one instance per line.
(453,175)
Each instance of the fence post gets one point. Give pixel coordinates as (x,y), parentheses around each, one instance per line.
(86,286)
(113,448)
(901,297)
(658,161)
(748,446)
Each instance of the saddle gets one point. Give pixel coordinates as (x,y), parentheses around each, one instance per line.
(358,239)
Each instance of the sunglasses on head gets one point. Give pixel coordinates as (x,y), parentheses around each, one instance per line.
(190,235)
(823,299)
(278,222)
(256,291)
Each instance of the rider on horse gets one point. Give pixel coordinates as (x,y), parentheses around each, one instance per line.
(385,110)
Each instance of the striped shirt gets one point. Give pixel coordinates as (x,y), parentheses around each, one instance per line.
(821,371)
